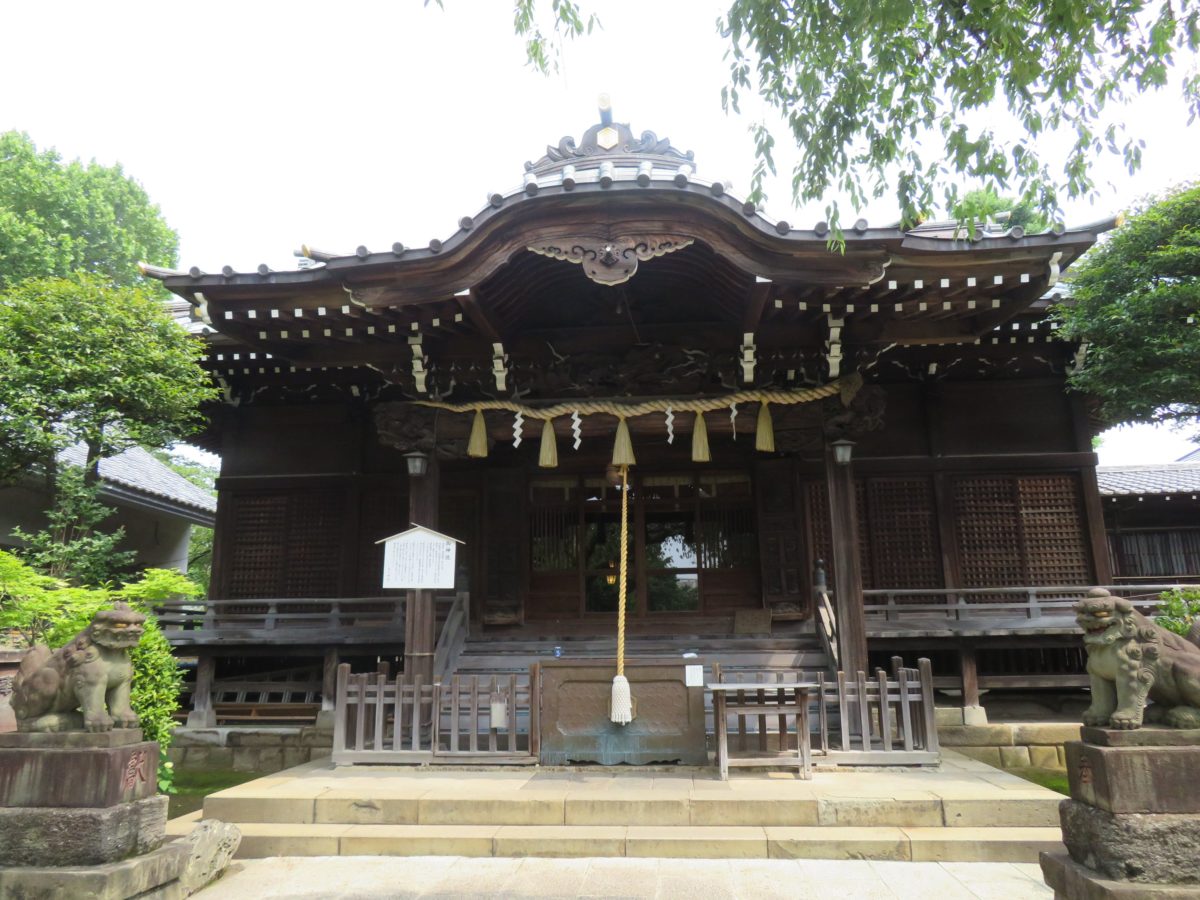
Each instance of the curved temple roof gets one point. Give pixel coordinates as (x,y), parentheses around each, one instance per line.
(506,292)
(650,175)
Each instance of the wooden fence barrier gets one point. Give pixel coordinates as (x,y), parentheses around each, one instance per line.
(402,720)
(877,720)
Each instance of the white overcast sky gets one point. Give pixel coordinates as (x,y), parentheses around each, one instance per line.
(260,126)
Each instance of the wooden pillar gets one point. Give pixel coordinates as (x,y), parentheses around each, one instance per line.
(970,675)
(202,714)
(325,718)
(847,566)
(420,622)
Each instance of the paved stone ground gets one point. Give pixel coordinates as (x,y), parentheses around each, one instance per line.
(360,878)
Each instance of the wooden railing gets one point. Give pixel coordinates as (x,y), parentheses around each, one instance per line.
(328,620)
(996,605)
(827,628)
(487,719)
(826,617)
(874,720)
(452,637)
(324,620)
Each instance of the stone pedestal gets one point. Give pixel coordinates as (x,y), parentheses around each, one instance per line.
(80,815)
(1132,825)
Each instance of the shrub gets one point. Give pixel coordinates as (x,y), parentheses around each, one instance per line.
(39,609)
(1178,609)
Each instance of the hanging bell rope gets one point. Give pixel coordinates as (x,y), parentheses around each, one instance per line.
(621,707)
(623,446)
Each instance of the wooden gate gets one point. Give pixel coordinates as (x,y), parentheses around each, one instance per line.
(489,719)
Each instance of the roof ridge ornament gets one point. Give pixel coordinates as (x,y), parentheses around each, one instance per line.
(609,140)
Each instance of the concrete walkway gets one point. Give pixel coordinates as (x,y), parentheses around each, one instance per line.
(362,877)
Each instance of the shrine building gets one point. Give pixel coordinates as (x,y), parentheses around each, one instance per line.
(834,455)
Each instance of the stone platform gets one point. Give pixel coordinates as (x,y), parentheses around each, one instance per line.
(963,811)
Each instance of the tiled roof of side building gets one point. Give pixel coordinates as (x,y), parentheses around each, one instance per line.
(137,470)
(1171,478)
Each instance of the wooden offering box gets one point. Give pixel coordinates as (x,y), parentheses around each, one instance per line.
(668,724)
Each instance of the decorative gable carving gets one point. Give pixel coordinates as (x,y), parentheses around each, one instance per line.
(613,261)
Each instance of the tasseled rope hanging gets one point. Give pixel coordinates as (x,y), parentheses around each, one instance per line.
(477,446)
(764,440)
(764,433)
(621,707)
(548,456)
(645,407)
(623,446)
(700,440)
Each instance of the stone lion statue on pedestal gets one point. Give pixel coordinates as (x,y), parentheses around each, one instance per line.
(1132,661)
(83,685)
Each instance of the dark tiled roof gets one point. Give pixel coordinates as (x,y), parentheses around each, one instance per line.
(1172,478)
(137,470)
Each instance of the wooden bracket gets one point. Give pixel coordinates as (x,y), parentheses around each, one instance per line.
(833,347)
(748,357)
(500,366)
(419,360)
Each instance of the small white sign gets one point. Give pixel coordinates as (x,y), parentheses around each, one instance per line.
(693,676)
(419,558)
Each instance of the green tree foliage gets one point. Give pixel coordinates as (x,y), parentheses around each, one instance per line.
(1135,302)
(1178,610)
(879,94)
(60,218)
(73,547)
(985,205)
(44,610)
(83,361)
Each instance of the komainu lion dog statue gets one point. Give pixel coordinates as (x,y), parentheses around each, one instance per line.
(83,685)
(1132,661)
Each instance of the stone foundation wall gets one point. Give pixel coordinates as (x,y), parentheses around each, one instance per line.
(261,749)
(1014,745)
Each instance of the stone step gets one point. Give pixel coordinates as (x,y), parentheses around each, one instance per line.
(935,844)
(665,808)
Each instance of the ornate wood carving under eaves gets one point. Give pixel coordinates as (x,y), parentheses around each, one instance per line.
(612,261)
(409,428)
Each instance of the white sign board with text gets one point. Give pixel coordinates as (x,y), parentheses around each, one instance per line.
(419,559)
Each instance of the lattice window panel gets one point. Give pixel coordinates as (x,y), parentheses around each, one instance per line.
(257,550)
(315,537)
(1162,554)
(901,528)
(1052,519)
(1021,530)
(988,529)
(554,538)
(383,512)
(816,500)
(286,545)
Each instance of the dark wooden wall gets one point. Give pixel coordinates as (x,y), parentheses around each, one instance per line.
(966,484)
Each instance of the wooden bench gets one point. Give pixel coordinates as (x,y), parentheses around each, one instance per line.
(762,701)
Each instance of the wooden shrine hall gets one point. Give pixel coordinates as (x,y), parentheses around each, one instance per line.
(837,455)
